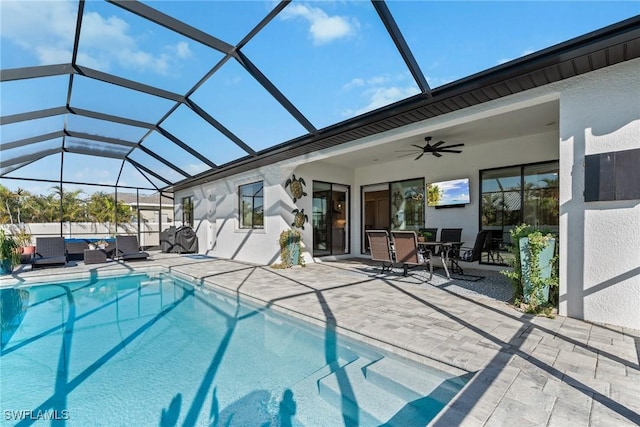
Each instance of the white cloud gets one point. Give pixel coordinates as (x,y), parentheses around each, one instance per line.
(379,91)
(46,30)
(356,82)
(323,28)
(183,51)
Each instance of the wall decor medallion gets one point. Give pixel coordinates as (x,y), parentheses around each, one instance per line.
(297,189)
(299,218)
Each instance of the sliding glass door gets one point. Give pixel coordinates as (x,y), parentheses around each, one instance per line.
(515,195)
(330,219)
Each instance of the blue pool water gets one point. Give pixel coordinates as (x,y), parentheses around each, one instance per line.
(154,350)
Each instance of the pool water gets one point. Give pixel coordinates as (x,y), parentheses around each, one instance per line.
(154,350)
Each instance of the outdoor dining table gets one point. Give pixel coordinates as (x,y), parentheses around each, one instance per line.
(444,252)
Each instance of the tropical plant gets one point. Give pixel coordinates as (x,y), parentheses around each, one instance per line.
(538,240)
(23,237)
(9,248)
(290,249)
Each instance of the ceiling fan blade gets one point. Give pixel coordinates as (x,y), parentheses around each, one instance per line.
(406,151)
(421,154)
(454,145)
(450,151)
(437,144)
(435,153)
(417,146)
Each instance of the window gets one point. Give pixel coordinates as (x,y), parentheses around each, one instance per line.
(515,195)
(251,207)
(407,204)
(187,211)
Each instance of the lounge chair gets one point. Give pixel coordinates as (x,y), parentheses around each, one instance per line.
(380,247)
(50,251)
(406,249)
(128,248)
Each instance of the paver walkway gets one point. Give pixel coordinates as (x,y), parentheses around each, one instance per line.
(530,371)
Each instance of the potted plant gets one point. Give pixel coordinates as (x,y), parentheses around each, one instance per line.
(535,267)
(423,235)
(23,238)
(290,249)
(9,253)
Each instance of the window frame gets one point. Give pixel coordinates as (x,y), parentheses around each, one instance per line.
(187,211)
(241,213)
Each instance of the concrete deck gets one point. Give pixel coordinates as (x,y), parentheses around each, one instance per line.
(530,371)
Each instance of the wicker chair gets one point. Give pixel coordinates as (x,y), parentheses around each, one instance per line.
(380,248)
(50,251)
(128,248)
(407,253)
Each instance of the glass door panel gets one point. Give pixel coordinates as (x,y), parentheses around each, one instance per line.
(375,215)
(339,225)
(321,219)
(330,219)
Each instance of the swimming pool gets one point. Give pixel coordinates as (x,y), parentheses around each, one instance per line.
(152,349)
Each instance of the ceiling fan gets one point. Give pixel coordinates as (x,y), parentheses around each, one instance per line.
(434,149)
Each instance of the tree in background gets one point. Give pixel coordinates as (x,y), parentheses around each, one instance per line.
(102,207)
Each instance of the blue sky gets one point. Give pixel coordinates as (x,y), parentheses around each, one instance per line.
(332,59)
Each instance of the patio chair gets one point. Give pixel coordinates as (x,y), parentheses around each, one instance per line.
(407,253)
(50,251)
(466,254)
(128,248)
(380,247)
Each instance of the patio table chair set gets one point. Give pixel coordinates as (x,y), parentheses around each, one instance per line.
(403,247)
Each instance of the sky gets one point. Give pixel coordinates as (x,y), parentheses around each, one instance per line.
(333,60)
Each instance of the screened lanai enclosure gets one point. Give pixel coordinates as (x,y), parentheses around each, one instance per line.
(110,106)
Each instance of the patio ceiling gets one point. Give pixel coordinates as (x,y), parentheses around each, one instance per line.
(56,114)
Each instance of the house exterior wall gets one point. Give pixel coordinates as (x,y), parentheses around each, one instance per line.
(599,257)
(599,241)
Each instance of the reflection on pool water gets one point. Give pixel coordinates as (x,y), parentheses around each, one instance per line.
(154,350)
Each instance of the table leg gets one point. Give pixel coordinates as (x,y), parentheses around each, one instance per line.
(445,259)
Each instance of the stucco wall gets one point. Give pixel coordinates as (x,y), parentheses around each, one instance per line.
(600,259)
(600,241)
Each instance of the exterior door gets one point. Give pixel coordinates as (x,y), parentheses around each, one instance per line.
(330,219)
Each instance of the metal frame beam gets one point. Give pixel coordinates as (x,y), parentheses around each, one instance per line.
(100,138)
(32,140)
(219,126)
(35,72)
(187,148)
(95,153)
(162,160)
(126,83)
(401,45)
(172,24)
(33,115)
(149,171)
(30,158)
(274,91)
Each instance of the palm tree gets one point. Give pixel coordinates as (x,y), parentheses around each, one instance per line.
(72,205)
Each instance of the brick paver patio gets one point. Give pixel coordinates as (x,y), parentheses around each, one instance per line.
(530,371)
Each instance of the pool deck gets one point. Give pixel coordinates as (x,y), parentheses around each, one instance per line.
(530,371)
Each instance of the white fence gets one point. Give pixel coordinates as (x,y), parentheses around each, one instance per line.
(149,231)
